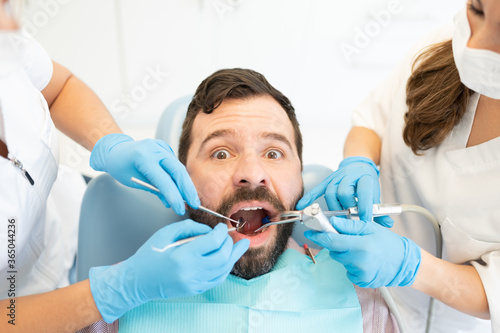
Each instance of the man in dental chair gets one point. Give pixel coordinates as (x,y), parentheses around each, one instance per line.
(241,145)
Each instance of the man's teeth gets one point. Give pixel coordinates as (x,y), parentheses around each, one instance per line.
(251,208)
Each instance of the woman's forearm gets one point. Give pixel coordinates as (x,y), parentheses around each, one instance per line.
(63,310)
(76,110)
(362,141)
(458,286)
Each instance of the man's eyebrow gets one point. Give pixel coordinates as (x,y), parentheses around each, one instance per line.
(217,134)
(279,137)
(231,132)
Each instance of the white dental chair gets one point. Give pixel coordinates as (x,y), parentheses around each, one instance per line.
(116,220)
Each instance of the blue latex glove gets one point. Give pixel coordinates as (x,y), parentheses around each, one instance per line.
(373,255)
(356,177)
(152,161)
(184,270)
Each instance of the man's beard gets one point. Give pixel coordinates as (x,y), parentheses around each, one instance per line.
(256,261)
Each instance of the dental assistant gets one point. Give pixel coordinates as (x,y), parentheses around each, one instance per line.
(434,128)
(35,95)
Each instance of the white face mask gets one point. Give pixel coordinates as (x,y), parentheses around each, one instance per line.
(479,69)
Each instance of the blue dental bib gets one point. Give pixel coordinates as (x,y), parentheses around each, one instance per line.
(296,296)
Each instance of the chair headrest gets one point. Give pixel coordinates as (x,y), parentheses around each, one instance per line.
(169,126)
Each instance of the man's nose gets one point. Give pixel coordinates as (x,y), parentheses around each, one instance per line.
(250,172)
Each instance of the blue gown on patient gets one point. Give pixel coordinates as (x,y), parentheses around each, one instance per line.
(296,296)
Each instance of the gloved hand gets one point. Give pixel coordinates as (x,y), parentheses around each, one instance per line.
(373,255)
(356,177)
(183,270)
(149,160)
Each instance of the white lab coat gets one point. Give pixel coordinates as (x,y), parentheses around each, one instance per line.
(460,186)
(44,237)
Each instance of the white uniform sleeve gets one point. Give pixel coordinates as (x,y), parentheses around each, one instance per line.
(376,108)
(37,63)
(27,53)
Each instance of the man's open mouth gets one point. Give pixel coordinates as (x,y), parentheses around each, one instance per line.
(253,217)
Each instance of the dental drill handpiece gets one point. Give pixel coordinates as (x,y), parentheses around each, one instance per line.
(378,210)
(313,217)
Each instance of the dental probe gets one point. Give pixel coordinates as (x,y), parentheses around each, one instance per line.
(182,241)
(200,207)
(378,210)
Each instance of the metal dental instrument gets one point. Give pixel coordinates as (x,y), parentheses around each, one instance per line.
(183,241)
(312,217)
(239,224)
(309,253)
(200,207)
(315,218)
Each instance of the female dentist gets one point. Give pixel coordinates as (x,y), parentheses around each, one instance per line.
(434,128)
(35,94)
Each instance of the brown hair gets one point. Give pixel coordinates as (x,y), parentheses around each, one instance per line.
(435,96)
(236,83)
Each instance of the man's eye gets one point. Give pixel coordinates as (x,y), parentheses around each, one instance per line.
(274,154)
(221,154)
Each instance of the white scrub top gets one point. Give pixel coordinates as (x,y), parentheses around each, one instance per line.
(459,185)
(38,242)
